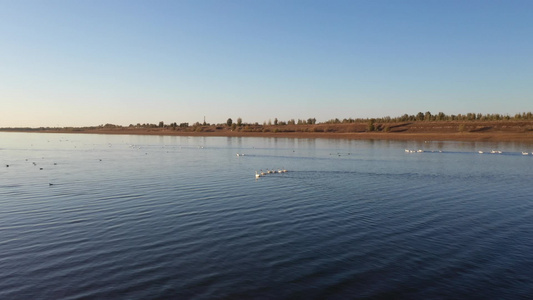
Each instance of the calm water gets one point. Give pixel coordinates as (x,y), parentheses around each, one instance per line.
(144,217)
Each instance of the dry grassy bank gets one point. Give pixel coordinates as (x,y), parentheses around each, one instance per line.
(420,130)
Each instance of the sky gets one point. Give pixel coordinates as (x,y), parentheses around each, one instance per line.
(86,63)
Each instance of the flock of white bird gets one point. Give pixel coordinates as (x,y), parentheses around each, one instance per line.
(414,151)
(262,173)
(480,151)
(420,151)
(500,152)
(491,152)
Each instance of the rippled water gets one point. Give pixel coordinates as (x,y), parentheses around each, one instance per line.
(143,217)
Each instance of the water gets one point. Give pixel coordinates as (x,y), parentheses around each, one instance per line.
(143,217)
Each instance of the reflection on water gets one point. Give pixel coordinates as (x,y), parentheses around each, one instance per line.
(137,217)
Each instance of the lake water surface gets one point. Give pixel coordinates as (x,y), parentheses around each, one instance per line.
(144,217)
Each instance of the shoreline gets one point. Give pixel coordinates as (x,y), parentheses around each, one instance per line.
(418,136)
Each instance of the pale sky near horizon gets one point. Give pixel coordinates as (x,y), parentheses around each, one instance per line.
(83,63)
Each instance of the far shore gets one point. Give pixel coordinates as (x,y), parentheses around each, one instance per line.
(490,136)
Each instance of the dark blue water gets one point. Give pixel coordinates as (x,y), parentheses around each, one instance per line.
(144,217)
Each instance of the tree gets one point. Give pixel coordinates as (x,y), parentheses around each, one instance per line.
(427,116)
(276,121)
(229,122)
(161,124)
(370,126)
(239,122)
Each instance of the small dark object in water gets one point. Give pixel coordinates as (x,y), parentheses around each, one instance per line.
(40,168)
(7,166)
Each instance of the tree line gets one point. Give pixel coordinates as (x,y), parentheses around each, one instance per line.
(419,117)
(427,117)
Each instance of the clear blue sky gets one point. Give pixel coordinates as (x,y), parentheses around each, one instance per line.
(78,63)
